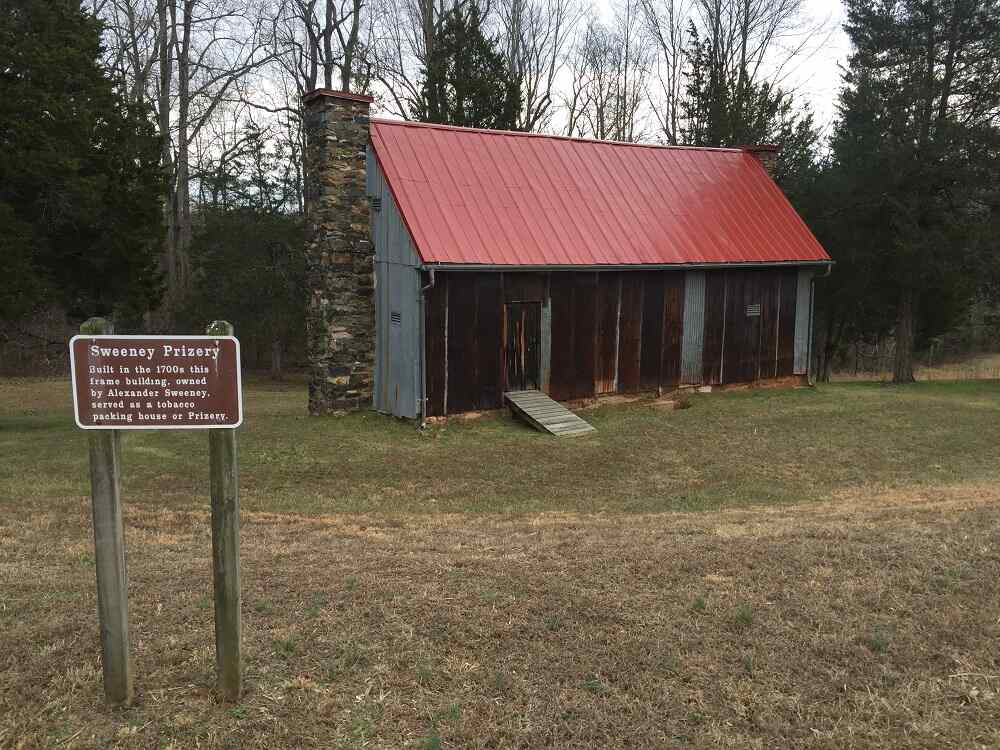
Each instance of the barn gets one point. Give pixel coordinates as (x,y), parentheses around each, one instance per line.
(513,261)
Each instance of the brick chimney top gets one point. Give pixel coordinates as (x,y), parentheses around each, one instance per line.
(766,154)
(346,95)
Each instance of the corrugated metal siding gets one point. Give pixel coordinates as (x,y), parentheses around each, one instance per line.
(398,379)
(802,332)
(498,198)
(692,342)
(390,236)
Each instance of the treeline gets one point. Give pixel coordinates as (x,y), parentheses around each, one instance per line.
(171,192)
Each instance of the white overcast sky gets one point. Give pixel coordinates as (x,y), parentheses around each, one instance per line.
(816,75)
(817,79)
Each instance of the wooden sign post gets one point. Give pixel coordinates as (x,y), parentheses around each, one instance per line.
(226,550)
(109,552)
(160,383)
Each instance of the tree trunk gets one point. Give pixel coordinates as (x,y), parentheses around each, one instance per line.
(902,371)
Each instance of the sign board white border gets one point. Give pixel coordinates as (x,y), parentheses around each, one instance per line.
(239,384)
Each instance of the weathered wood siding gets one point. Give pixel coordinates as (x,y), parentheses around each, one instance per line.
(609,332)
(749,332)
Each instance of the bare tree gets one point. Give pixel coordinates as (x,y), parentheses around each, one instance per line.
(184,58)
(667,24)
(610,68)
(536,36)
(402,40)
(325,43)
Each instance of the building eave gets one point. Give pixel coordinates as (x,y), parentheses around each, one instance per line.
(750,265)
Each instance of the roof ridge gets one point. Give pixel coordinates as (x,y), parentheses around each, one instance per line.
(551,136)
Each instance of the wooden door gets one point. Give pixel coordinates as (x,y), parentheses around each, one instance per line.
(522,345)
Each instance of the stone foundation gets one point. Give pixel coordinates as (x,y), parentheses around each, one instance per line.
(340,315)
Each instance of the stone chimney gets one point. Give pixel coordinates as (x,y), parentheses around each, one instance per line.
(340,313)
(766,154)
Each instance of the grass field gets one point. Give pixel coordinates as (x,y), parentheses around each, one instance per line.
(828,575)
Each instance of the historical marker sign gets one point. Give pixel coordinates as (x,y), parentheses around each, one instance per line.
(156,382)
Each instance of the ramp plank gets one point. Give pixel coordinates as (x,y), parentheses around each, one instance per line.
(546,415)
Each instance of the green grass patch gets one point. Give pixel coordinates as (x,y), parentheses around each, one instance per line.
(729,449)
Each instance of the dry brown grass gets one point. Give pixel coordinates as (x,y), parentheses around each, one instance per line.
(870,620)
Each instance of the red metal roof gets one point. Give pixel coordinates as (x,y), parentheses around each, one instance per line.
(492,197)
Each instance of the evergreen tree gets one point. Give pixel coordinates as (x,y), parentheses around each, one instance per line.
(917,150)
(725,108)
(466,80)
(79,175)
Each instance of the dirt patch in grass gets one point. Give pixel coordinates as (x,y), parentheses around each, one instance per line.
(867,621)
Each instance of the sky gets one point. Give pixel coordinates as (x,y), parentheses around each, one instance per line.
(816,76)
(817,79)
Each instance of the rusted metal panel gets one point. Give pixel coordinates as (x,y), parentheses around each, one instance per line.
(489,332)
(673,327)
(693,338)
(651,354)
(585,334)
(803,333)
(435,349)
(562,373)
(715,327)
(630,332)
(607,332)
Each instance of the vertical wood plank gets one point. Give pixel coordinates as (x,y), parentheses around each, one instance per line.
(652,330)
(673,329)
(463,346)
(786,322)
(607,331)
(715,326)
(224,485)
(585,340)
(630,332)
(562,375)
(490,334)
(109,552)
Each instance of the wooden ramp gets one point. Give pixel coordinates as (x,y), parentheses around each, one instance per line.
(546,415)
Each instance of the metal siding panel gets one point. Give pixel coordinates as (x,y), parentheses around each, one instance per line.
(389,233)
(802,332)
(546,354)
(490,197)
(693,336)
(381,342)
(394,341)
(406,404)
